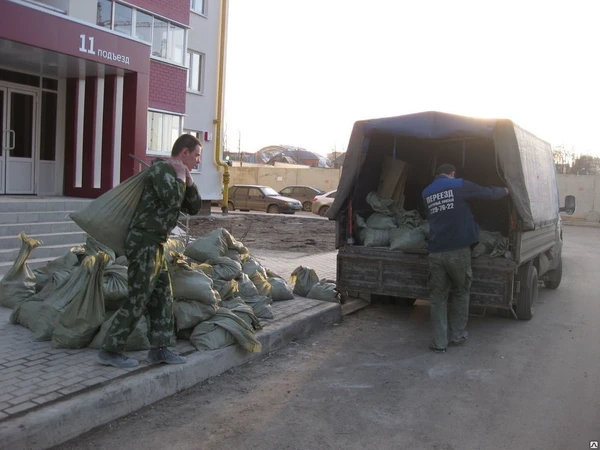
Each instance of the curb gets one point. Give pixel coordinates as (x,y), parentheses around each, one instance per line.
(59,422)
(573,223)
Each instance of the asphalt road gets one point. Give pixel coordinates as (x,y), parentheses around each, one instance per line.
(371,383)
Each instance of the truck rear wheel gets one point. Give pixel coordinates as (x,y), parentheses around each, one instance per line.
(553,278)
(528,293)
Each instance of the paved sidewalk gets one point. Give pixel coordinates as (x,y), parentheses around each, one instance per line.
(49,395)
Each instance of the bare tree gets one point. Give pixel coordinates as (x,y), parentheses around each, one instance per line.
(586,165)
(563,159)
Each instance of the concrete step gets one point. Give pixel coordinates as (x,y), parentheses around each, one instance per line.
(42,205)
(14,229)
(33,217)
(44,251)
(72,237)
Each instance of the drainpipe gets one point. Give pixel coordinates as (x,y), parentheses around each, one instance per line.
(220,100)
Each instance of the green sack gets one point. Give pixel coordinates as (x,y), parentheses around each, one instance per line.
(115,287)
(261,306)
(227,289)
(209,246)
(246,287)
(490,243)
(261,283)
(56,280)
(93,247)
(405,239)
(376,238)
(189,313)
(108,217)
(223,329)
(324,290)
(380,222)
(77,325)
(173,249)
(225,268)
(280,290)
(303,279)
(137,340)
(252,265)
(38,316)
(19,282)
(192,284)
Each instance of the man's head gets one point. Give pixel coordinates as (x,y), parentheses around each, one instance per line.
(446,169)
(187,149)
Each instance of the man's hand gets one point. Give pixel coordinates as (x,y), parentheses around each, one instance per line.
(181,171)
(507,191)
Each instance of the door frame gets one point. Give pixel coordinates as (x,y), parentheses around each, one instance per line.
(9,88)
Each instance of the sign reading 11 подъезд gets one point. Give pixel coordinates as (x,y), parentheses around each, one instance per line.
(87,46)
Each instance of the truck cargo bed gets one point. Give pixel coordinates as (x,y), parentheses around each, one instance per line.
(379,270)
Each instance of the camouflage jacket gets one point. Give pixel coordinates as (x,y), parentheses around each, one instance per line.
(163,197)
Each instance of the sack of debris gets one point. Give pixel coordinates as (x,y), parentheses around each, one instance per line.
(261,283)
(108,217)
(246,287)
(376,238)
(67,262)
(227,289)
(406,239)
(379,221)
(261,306)
(223,329)
(56,279)
(225,268)
(380,205)
(38,316)
(280,290)
(19,282)
(77,325)
(93,247)
(210,246)
(192,284)
(137,340)
(490,243)
(303,279)
(114,287)
(252,265)
(324,290)
(189,313)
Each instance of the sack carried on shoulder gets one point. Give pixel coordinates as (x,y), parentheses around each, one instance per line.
(108,217)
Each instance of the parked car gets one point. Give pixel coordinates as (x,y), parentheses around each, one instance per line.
(321,203)
(250,197)
(304,194)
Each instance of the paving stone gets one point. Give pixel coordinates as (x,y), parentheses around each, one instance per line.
(5,397)
(71,389)
(22,398)
(47,389)
(18,408)
(47,398)
(29,382)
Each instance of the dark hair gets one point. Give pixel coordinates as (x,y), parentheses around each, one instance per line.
(445,169)
(185,141)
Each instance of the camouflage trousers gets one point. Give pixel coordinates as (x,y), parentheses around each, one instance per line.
(149,290)
(449,273)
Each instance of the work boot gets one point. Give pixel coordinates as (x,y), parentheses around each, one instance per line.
(461,340)
(116,359)
(164,355)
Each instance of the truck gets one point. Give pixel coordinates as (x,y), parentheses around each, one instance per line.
(489,152)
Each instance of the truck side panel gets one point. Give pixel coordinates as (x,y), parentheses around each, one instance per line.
(386,272)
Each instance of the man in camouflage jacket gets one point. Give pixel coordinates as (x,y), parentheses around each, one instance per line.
(169,189)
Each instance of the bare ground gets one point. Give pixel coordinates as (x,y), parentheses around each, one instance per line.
(270,232)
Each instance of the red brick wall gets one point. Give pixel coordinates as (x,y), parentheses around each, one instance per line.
(167,87)
(178,10)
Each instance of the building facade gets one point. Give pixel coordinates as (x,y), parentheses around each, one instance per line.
(86,84)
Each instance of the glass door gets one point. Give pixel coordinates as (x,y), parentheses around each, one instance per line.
(19,141)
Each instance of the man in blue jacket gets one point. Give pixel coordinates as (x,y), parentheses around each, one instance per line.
(453,232)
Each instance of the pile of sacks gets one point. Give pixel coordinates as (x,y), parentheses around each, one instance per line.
(398,229)
(220,292)
(390,226)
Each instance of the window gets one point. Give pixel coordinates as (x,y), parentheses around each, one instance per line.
(123,19)
(195,73)
(199,6)
(286,191)
(163,130)
(160,33)
(197,135)
(143,26)
(254,192)
(104,13)
(176,50)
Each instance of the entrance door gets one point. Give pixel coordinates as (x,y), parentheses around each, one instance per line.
(18,122)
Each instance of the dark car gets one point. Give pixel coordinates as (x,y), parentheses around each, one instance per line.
(250,197)
(304,194)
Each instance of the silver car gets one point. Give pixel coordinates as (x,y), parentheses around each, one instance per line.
(321,203)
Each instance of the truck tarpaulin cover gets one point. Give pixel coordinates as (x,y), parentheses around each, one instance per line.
(525,160)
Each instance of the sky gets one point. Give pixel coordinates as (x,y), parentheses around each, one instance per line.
(301,73)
